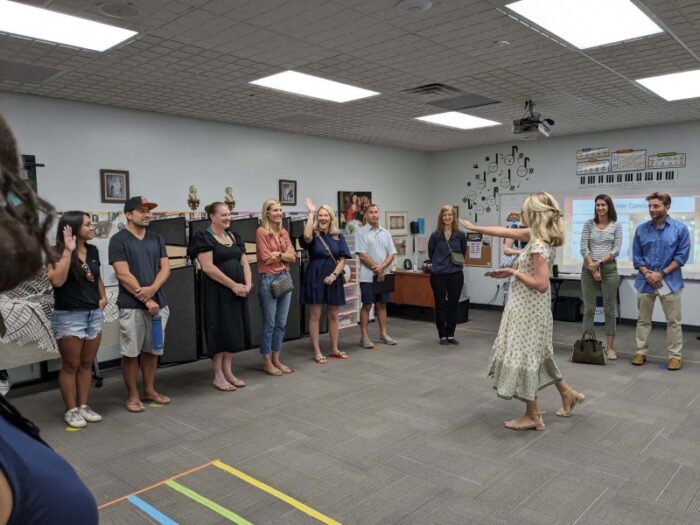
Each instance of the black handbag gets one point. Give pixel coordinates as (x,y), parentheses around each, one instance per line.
(589,351)
(281,285)
(386,285)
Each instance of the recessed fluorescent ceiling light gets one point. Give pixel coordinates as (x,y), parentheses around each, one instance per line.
(314,87)
(51,26)
(454,119)
(588,23)
(675,86)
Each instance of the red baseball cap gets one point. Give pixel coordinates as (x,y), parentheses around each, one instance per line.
(137,202)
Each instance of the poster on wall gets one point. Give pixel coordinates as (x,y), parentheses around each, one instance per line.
(592,166)
(628,160)
(352,206)
(588,154)
(669,159)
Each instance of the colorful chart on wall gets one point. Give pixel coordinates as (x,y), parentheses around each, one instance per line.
(670,159)
(628,160)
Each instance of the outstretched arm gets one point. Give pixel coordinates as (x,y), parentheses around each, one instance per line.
(519,234)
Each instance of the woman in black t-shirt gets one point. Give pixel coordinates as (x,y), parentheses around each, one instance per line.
(77,318)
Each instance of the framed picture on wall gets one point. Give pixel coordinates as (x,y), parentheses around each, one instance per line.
(288,192)
(352,206)
(397,222)
(114,186)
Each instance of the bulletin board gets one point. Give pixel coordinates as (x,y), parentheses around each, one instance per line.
(479,250)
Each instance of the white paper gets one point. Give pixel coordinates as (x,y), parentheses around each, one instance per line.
(665,288)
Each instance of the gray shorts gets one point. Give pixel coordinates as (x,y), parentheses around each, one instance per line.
(135,332)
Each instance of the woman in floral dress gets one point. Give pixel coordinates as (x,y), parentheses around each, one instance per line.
(523,357)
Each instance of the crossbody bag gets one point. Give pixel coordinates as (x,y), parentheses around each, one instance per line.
(456,258)
(342,274)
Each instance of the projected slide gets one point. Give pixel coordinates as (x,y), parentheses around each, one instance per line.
(631,212)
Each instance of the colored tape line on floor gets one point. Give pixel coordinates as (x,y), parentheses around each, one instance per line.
(273,491)
(226,513)
(151,511)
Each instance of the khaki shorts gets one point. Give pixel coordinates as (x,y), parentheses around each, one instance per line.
(135,332)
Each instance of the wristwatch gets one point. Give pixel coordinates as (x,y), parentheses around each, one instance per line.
(663,272)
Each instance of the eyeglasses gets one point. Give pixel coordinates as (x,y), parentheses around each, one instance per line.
(88,273)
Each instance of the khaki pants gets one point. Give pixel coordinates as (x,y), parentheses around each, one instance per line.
(671,304)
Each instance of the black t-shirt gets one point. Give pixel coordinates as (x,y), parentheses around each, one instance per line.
(143,257)
(79,293)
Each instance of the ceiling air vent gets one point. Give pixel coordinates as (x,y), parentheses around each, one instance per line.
(432,92)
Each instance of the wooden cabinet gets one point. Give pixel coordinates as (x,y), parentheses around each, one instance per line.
(413,288)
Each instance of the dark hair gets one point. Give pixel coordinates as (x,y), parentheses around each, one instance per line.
(24,218)
(612,213)
(665,198)
(74,219)
(10,414)
(212,208)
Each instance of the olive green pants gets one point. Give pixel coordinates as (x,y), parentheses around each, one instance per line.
(608,288)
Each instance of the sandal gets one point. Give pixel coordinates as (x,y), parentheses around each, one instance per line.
(134,407)
(339,355)
(320,360)
(537,425)
(158,399)
(224,387)
(238,383)
(272,371)
(285,369)
(578,398)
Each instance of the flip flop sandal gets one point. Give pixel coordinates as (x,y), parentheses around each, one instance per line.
(320,360)
(228,387)
(238,383)
(339,355)
(285,369)
(134,408)
(160,400)
(275,372)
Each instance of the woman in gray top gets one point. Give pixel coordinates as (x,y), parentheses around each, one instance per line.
(601,240)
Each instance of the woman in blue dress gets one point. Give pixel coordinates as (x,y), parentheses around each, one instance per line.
(322,282)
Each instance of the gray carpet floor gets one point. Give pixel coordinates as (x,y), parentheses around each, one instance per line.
(411,434)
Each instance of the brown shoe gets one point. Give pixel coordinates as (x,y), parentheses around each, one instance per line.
(674,364)
(638,359)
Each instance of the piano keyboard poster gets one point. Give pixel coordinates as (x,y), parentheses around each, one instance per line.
(607,168)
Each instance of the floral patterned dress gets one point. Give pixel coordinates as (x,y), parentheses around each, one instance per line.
(523,357)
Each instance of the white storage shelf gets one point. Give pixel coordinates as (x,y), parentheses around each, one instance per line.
(349,314)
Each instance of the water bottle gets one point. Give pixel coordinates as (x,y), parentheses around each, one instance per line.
(157,328)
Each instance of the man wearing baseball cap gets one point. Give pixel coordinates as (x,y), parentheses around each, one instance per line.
(141,265)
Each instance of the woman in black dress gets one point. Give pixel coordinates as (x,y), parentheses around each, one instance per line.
(226,283)
(322,283)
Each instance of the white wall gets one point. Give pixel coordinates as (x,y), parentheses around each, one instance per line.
(165,155)
(554,163)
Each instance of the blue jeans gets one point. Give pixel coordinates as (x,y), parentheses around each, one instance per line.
(274,315)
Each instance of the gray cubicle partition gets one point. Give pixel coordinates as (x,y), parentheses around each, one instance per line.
(180,332)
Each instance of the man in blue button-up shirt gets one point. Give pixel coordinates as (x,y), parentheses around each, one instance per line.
(661,248)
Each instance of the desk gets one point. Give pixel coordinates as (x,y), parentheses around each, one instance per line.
(413,288)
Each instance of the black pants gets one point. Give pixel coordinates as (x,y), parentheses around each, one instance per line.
(447,288)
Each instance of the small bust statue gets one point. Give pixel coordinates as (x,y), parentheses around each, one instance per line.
(228,197)
(193,198)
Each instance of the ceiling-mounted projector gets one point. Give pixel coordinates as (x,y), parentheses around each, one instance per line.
(532,125)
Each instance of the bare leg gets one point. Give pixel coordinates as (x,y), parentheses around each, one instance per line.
(569,398)
(380,311)
(226,367)
(149,363)
(611,342)
(220,381)
(364,320)
(69,348)
(333,328)
(130,370)
(314,321)
(87,356)
(532,419)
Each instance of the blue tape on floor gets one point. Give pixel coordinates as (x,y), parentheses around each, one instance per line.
(151,511)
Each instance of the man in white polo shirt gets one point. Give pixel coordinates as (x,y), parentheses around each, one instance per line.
(375,249)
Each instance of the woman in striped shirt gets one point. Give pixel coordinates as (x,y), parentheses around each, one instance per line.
(601,239)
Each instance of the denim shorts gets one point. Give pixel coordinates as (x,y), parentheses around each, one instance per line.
(83,324)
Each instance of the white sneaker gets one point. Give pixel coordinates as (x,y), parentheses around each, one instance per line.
(74,419)
(89,414)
